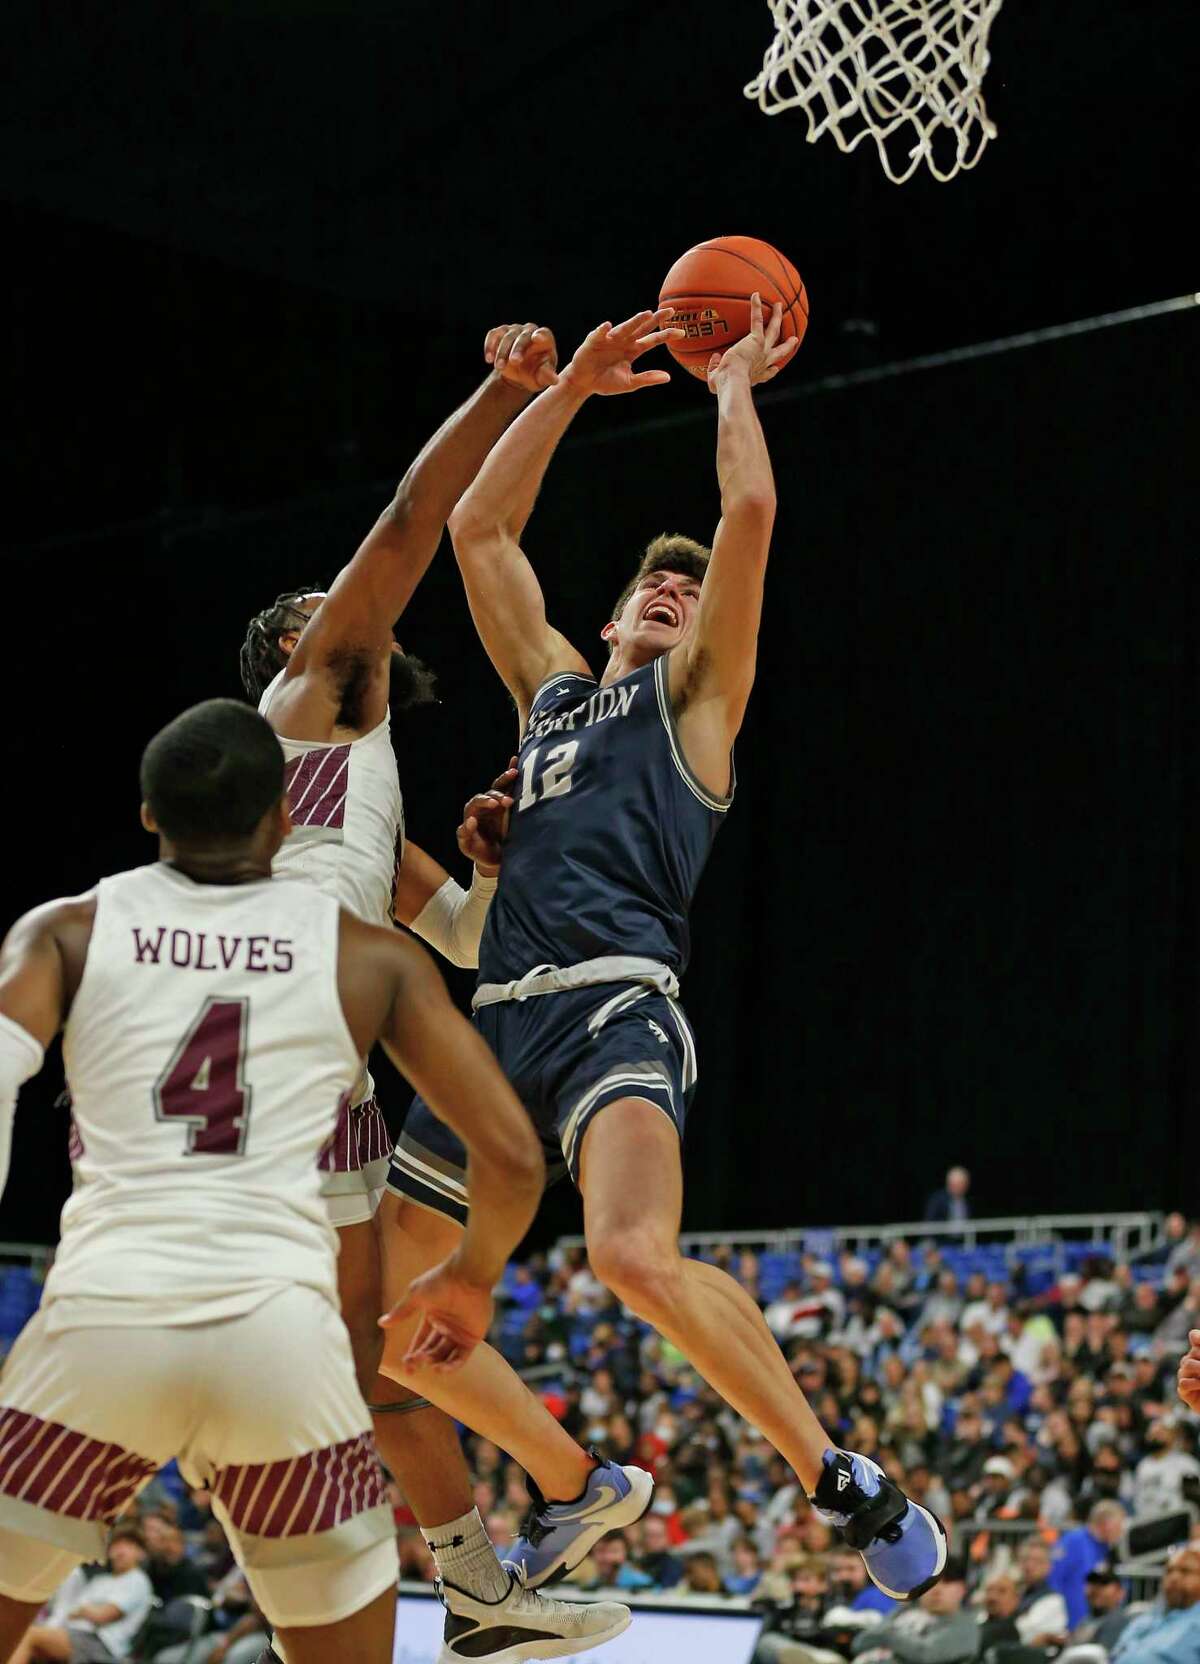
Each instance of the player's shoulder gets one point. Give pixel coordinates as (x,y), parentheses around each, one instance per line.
(52,918)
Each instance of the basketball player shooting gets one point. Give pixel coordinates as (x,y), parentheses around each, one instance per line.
(212,1020)
(328,675)
(622,785)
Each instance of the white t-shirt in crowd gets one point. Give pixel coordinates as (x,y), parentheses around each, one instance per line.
(1157,1483)
(131,1591)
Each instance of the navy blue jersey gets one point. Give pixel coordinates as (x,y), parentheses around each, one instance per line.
(610,830)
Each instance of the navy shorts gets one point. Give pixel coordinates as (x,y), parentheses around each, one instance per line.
(567,1055)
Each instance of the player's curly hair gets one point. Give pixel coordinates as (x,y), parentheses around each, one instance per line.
(668,552)
(261,657)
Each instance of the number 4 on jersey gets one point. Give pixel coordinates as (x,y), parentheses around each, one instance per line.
(202,1085)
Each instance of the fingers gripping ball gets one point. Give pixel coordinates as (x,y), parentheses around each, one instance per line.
(710,288)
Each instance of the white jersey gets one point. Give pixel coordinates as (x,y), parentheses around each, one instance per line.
(207,1055)
(347,833)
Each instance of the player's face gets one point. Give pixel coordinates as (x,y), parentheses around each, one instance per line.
(659,614)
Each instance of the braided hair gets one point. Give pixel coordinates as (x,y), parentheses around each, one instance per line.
(261,657)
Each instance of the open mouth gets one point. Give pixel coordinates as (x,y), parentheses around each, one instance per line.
(661,612)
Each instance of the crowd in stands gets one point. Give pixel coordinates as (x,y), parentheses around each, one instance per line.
(1032,1409)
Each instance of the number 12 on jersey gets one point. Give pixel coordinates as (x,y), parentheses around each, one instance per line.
(556,775)
(203,1083)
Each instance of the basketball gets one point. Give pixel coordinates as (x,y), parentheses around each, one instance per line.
(710,288)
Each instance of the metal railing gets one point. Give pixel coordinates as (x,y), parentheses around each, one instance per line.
(1124,1235)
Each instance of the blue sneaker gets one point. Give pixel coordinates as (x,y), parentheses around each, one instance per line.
(557,1536)
(903,1544)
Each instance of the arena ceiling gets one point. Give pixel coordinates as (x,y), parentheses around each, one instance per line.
(475,158)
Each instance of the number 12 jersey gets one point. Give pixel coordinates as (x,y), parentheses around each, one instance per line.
(609,833)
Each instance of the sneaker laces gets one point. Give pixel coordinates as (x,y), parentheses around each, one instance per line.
(535,1527)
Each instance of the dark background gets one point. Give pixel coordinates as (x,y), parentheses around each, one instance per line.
(253,250)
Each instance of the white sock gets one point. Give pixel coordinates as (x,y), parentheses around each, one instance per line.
(465,1557)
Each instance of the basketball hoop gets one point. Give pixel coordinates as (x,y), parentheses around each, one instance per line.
(907,73)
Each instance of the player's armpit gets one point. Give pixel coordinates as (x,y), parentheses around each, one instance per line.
(458,1077)
(508,608)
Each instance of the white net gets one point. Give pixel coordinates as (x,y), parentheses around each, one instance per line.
(907,73)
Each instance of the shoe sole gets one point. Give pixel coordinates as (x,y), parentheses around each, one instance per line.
(555,1648)
(631,1510)
(939,1532)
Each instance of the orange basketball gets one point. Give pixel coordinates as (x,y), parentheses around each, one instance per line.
(710,288)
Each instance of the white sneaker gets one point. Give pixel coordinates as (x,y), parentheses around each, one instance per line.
(524,1625)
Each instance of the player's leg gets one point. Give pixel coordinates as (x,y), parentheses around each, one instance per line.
(418,1442)
(630,1176)
(366,1635)
(360,1295)
(87,1416)
(486,1395)
(20,1640)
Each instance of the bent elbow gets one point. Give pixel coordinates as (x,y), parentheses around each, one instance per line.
(753,507)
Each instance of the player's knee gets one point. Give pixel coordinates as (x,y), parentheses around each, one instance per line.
(640,1267)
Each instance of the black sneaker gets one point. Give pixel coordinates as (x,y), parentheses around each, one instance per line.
(902,1544)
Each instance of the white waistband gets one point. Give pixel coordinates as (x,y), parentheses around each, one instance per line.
(553,979)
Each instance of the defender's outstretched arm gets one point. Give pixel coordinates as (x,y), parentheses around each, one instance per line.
(372,591)
(505,597)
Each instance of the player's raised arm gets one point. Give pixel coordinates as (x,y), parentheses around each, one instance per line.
(40,964)
(372,591)
(504,595)
(720,657)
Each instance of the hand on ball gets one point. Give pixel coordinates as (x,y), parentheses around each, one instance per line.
(759,355)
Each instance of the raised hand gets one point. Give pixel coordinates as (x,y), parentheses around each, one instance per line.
(524,355)
(455,1315)
(759,355)
(485,820)
(604,362)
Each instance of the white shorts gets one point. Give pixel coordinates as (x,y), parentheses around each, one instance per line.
(263,1409)
(354,1162)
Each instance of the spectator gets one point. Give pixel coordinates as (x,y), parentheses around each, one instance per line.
(1185,1255)
(939,1631)
(1080,1550)
(850,1586)
(93,1620)
(611,1568)
(1158,1481)
(998,1620)
(950,1203)
(702,1577)
(243,1629)
(794,1632)
(1170,1632)
(1106,1619)
(1041,1611)
(663,1568)
(171,1573)
(747,1568)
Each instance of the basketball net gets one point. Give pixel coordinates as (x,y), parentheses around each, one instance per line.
(907,73)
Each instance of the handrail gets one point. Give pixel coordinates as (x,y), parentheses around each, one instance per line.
(1126,1232)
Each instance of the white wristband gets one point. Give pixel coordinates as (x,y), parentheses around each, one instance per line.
(21,1057)
(452,919)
